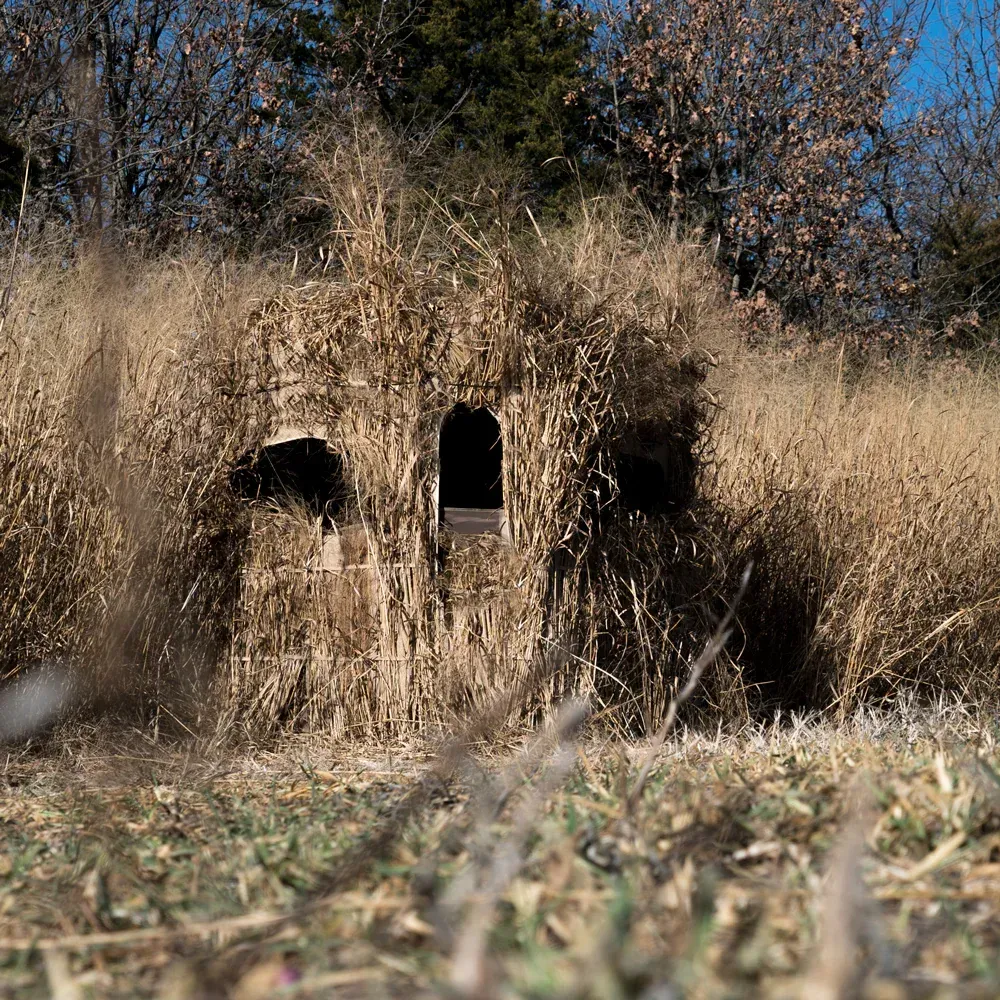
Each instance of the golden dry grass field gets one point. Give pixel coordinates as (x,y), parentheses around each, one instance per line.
(869,502)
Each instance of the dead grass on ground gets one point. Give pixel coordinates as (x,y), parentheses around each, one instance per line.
(738,874)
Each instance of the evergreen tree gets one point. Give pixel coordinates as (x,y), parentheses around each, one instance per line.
(965,244)
(962,276)
(477,75)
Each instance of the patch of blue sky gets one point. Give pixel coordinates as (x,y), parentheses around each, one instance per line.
(925,71)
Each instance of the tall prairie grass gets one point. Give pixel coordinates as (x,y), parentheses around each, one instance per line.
(123,402)
(869,503)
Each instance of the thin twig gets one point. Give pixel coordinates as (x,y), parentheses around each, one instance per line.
(713,647)
(138,935)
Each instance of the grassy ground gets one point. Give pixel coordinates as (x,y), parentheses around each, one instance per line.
(794,860)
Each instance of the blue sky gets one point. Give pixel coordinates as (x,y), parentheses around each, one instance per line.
(935,33)
(935,36)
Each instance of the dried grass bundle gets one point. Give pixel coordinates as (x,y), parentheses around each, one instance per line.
(401,330)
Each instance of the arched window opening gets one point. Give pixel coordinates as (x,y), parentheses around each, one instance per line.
(301,471)
(471,471)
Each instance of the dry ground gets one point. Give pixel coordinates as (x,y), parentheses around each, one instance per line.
(792,860)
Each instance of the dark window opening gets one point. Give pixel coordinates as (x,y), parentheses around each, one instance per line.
(300,471)
(636,483)
(642,485)
(471,470)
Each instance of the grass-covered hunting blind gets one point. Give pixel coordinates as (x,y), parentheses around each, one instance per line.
(483,464)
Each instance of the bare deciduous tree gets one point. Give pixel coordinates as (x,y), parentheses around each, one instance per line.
(771,124)
(162,114)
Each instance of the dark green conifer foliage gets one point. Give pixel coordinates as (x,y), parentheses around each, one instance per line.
(478,75)
(966,244)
